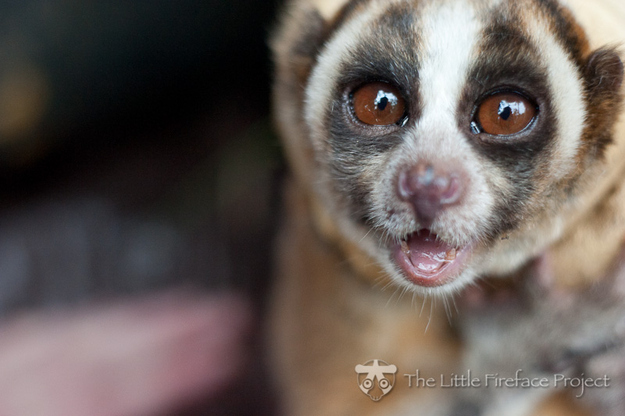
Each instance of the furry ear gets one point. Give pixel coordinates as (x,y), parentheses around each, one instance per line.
(297,44)
(604,73)
(329,9)
(603,76)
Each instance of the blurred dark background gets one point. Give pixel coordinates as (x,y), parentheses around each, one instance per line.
(136,152)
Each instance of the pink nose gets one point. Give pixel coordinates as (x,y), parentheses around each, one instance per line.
(430,190)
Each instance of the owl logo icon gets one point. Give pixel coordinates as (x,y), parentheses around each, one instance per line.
(376,378)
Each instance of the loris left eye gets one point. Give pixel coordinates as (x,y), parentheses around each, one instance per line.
(378,104)
(504,114)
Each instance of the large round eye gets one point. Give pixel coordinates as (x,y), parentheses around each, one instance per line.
(378,104)
(505,113)
(367,384)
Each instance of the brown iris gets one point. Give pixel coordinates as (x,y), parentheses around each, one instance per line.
(505,113)
(378,104)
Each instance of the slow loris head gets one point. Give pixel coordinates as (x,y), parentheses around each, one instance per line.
(446,139)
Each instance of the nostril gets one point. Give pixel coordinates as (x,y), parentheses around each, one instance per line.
(405,189)
(450,189)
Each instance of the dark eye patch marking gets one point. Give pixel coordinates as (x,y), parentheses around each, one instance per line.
(507,61)
(388,54)
(570,35)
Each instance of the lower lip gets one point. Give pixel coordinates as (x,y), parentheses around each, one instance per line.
(443,275)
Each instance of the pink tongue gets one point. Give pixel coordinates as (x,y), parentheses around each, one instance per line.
(425,253)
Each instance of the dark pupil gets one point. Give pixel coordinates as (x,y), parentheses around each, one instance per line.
(504,110)
(382,103)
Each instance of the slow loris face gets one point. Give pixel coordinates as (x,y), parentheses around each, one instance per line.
(456,138)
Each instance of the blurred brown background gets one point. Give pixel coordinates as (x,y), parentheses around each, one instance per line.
(136,153)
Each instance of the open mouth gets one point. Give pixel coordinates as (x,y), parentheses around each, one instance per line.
(427,261)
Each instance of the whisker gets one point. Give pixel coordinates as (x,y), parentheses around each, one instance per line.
(432,301)
(425,298)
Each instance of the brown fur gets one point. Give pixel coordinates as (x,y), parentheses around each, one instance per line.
(328,312)
(329,320)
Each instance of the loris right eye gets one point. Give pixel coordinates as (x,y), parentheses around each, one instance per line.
(378,104)
(504,114)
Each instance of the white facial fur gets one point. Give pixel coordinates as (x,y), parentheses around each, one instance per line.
(449,41)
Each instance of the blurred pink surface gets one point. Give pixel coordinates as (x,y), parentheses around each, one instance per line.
(132,357)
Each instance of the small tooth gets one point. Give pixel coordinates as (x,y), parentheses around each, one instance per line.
(450,255)
(429,268)
(405,248)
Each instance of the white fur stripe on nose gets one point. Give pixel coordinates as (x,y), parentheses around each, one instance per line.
(449,37)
